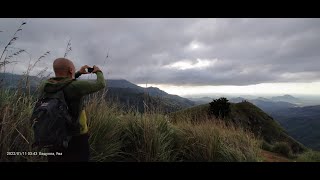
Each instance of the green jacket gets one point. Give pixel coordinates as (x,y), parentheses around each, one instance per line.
(74,91)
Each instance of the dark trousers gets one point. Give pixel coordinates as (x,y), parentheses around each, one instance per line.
(77,151)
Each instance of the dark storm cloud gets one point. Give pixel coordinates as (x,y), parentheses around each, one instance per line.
(246,51)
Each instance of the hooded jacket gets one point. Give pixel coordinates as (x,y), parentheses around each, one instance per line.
(74,92)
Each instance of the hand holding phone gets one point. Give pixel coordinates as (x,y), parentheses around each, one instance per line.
(90,69)
(83,69)
(96,69)
(87,69)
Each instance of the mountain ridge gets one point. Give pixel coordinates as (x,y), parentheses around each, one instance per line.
(123,90)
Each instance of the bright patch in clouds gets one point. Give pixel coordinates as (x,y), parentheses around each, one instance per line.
(194,45)
(187,64)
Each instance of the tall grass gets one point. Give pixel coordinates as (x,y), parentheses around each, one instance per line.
(15,129)
(116,135)
(148,137)
(214,141)
(104,129)
(128,136)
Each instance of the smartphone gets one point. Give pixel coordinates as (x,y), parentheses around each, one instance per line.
(90,70)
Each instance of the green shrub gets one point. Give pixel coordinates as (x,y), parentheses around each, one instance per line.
(282,148)
(220,108)
(266,146)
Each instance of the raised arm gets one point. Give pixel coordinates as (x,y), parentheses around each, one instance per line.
(88,87)
(78,74)
(81,71)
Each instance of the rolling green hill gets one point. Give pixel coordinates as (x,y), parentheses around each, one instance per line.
(250,117)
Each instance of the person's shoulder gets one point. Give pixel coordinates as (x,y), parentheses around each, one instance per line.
(71,89)
(76,84)
(43,83)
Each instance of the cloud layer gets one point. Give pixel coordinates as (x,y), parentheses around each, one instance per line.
(177,51)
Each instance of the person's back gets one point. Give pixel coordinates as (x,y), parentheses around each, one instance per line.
(74,92)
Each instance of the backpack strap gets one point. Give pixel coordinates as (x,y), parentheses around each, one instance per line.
(62,89)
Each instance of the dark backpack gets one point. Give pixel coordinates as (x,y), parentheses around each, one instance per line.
(50,121)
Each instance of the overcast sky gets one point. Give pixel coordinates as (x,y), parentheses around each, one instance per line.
(178,52)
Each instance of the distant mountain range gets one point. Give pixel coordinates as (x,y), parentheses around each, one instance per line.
(9,80)
(265,104)
(133,95)
(286,98)
(202,100)
(128,94)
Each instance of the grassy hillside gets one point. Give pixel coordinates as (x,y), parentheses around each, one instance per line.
(126,136)
(247,116)
(117,135)
(302,123)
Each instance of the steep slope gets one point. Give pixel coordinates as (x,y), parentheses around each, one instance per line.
(302,123)
(250,117)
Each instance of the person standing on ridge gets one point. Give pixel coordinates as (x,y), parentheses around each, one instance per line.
(74,92)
